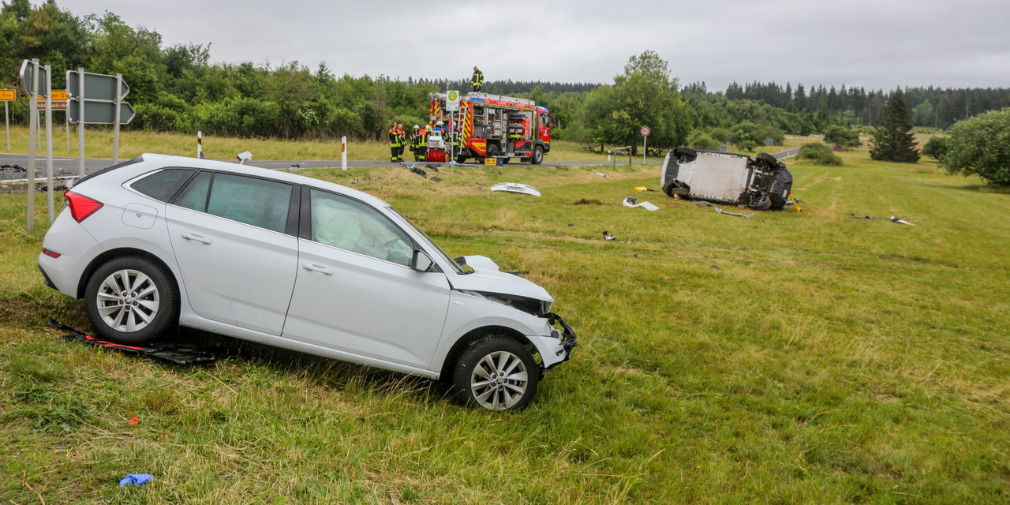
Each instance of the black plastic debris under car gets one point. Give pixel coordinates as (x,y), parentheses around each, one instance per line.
(180,354)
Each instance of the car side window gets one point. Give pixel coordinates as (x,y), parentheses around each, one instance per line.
(348,224)
(194,196)
(163,184)
(249,200)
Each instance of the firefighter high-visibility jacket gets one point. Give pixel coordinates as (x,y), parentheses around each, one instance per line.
(401,138)
(394,139)
(420,139)
(477,80)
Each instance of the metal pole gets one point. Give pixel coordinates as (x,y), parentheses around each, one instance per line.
(66,120)
(645,142)
(49,141)
(115,125)
(80,120)
(32,128)
(343,153)
(199,144)
(7,123)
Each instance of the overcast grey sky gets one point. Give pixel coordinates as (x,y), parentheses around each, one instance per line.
(875,44)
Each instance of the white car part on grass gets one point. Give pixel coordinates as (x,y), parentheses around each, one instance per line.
(630,202)
(515,187)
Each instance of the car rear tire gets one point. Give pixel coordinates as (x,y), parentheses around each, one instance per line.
(496,373)
(131,300)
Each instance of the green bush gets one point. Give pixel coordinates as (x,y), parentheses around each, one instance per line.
(981,146)
(842,137)
(819,153)
(720,134)
(701,140)
(937,148)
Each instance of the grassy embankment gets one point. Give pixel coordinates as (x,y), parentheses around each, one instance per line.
(98,144)
(789,358)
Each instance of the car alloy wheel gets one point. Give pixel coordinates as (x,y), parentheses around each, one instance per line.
(128,300)
(499,380)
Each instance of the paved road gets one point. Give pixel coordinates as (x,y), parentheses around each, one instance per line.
(63,167)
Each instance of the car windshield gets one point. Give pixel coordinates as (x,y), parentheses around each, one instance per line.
(431,245)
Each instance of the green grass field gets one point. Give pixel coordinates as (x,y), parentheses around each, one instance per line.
(792,358)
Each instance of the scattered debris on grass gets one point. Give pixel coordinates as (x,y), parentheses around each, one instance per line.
(584,201)
(134,420)
(136,479)
(737,214)
(898,220)
(705,203)
(515,187)
(642,188)
(180,354)
(601,174)
(436,179)
(420,172)
(862,218)
(607,236)
(630,202)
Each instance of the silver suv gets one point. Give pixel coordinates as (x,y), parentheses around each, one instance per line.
(298,263)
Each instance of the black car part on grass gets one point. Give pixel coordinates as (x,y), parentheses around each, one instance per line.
(180,354)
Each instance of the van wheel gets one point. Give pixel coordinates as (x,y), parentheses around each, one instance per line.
(497,373)
(131,300)
(538,156)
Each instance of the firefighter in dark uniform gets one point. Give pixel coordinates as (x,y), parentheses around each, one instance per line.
(477,81)
(394,141)
(401,141)
(419,142)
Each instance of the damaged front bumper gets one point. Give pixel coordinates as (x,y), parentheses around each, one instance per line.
(566,337)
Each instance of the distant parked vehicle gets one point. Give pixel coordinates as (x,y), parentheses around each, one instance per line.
(760,183)
(299,263)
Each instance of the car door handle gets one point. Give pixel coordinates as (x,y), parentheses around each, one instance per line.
(196,238)
(312,267)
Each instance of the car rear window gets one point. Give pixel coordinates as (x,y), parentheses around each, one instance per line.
(163,184)
(105,170)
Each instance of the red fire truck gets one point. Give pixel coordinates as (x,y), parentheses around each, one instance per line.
(489,126)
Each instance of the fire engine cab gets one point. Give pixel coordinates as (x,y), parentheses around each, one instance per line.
(489,126)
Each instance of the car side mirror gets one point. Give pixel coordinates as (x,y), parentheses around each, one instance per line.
(421,261)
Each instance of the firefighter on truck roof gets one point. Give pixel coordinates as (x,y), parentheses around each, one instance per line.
(477,81)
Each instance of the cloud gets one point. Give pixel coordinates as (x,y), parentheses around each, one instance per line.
(857,42)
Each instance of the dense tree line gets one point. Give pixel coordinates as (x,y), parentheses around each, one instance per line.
(176,88)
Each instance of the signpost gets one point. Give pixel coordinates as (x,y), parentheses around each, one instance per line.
(7,96)
(452,105)
(34,78)
(645,131)
(98,99)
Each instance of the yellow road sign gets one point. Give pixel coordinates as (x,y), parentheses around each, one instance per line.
(8,95)
(40,104)
(59,94)
(490,162)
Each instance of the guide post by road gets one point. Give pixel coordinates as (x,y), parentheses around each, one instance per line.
(452,105)
(645,131)
(49,144)
(7,96)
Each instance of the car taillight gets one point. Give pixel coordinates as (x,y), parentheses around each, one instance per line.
(81,206)
(51,254)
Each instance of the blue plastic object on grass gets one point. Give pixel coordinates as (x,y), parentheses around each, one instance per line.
(137,479)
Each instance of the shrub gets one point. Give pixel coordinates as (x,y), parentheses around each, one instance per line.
(981,146)
(937,148)
(701,140)
(819,153)
(842,137)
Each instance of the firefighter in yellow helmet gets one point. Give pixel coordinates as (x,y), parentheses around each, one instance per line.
(401,141)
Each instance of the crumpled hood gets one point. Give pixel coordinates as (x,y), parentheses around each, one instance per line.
(486,277)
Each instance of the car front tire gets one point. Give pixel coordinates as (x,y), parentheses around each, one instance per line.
(496,373)
(131,300)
